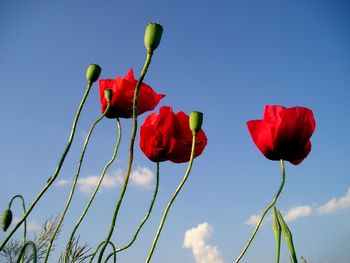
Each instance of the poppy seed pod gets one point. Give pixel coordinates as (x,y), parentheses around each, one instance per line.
(153,35)
(6,219)
(196,120)
(108,94)
(93,73)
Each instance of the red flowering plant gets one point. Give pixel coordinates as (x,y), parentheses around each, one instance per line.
(123,89)
(283,134)
(172,137)
(167,136)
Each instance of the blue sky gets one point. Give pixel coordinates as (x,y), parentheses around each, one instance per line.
(225,58)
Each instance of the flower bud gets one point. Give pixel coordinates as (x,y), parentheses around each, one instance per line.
(93,73)
(276,225)
(108,94)
(196,120)
(277,231)
(153,35)
(287,236)
(6,219)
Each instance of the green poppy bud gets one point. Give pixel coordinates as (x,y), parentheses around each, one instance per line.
(153,35)
(108,94)
(277,230)
(6,219)
(196,120)
(287,236)
(93,73)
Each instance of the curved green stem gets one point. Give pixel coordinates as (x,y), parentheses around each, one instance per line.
(56,172)
(178,189)
(143,220)
(264,213)
(96,189)
(98,247)
(74,183)
(21,252)
(24,211)
(131,155)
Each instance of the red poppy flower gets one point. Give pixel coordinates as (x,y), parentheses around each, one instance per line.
(121,105)
(284,133)
(167,136)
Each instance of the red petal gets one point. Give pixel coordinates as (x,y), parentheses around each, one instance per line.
(130,75)
(157,133)
(283,133)
(182,150)
(123,93)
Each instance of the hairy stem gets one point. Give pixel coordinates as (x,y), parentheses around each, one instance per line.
(96,189)
(178,189)
(21,252)
(131,155)
(264,213)
(74,182)
(143,220)
(57,170)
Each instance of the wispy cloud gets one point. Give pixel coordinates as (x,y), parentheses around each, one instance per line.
(332,206)
(32,225)
(252,220)
(83,135)
(63,182)
(195,239)
(88,184)
(141,177)
(298,212)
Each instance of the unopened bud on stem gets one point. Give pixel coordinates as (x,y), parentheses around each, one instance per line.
(108,94)
(93,73)
(153,35)
(196,120)
(6,219)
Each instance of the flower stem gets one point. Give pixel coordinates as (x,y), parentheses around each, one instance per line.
(24,211)
(34,249)
(143,220)
(131,155)
(178,189)
(96,188)
(57,170)
(74,183)
(98,247)
(264,213)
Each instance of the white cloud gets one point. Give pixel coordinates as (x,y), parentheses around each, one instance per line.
(252,220)
(88,184)
(142,177)
(297,212)
(334,205)
(83,135)
(32,225)
(63,182)
(292,214)
(195,239)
